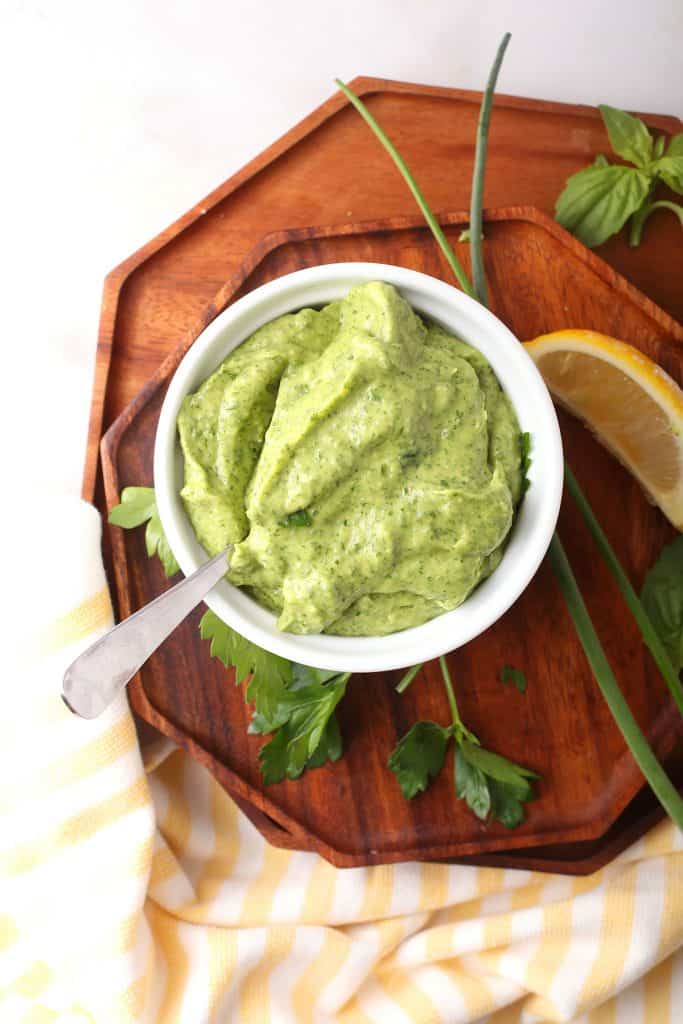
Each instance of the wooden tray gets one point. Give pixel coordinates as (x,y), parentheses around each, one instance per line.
(163,295)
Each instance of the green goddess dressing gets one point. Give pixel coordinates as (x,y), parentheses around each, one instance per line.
(365,464)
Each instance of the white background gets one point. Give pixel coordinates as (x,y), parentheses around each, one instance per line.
(117,117)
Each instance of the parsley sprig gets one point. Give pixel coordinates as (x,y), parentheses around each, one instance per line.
(492,786)
(294,702)
(138,506)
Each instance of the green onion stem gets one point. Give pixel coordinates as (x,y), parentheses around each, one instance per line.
(407,679)
(477,198)
(650,636)
(433,223)
(640,216)
(449,690)
(638,745)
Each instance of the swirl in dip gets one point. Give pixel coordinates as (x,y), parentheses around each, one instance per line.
(366,465)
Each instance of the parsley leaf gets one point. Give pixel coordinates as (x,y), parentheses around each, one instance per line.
(662,596)
(419,757)
(305,729)
(471,786)
(276,760)
(300,518)
(138,505)
(294,702)
(507,806)
(497,767)
(507,784)
(491,785)
(508,674)
(270,674)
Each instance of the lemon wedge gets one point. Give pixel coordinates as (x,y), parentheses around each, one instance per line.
(630,403)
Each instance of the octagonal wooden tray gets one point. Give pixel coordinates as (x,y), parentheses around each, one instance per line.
(541,279)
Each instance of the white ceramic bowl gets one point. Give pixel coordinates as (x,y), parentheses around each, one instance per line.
(518,376)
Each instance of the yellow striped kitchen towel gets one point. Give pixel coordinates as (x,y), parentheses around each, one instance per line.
(134,896)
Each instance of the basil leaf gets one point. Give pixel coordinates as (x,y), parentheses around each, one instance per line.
(628,135)
(670,170)
(597,201)
(472,786)
(508,674)
(675,147)
(662,596)
(418,757)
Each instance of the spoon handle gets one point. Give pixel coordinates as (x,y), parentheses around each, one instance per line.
(95,678)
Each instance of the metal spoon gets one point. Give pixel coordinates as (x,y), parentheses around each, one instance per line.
(98,675)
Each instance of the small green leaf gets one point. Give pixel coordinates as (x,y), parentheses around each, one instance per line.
(662,596)
(628,136)
(658,148)
(307,712)
(418,757)
(330,747)
(675,147)
(525,459)
(166,556)
(497,767)
(273,758)
(299,518)
(507,806)
(409,458)
(601,161)
(597,201)
(670,170)
(472,786)
(508,674)
(138,504)
(270,674)
(259,725)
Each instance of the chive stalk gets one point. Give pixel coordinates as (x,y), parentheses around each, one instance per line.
(609,687)
(650,636)
(477,200)
(436,229)
(449,691)
(407,679)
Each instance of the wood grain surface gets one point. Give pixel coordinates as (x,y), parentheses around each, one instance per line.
(352,812)
(329,169)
